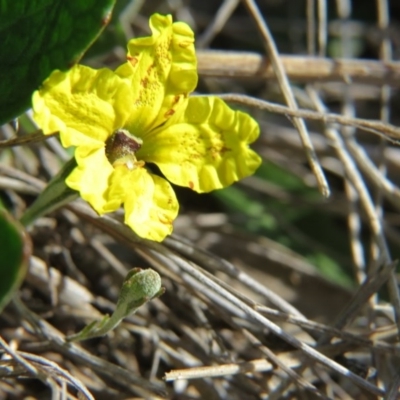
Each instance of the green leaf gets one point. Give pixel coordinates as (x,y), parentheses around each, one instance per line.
(38,36)
(15,250)
(114,34)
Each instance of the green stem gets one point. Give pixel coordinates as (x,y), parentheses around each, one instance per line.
(55,195)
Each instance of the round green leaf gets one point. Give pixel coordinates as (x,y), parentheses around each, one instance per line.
(38,36)
(15,250)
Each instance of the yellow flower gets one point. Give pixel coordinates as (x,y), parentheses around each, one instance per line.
(122,121)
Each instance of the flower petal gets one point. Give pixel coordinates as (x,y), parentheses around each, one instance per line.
(83,104)
(150,202)
(205,149)
(91,176)
(163,71)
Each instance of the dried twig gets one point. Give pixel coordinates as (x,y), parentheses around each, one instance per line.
(231,64)
(379,128)
(283,81)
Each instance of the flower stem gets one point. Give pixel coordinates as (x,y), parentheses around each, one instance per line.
(55,195)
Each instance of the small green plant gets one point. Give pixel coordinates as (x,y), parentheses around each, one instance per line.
(139,287)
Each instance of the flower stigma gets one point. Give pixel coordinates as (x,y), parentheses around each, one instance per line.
(121,148)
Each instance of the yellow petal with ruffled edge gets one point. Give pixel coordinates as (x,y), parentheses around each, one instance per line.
(163,71)
(206,148)
(149,201)
(83,104)
(90,178)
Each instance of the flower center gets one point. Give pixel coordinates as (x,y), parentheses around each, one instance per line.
(121,148)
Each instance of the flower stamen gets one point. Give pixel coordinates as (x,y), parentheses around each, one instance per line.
(121,148)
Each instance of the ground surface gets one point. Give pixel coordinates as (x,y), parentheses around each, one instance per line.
(272,290)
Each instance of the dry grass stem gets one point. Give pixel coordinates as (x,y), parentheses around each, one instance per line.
(303,69)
